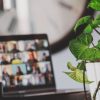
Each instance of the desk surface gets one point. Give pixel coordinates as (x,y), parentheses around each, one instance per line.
(57,92)
(69,94)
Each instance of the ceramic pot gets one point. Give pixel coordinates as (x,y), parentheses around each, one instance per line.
(93,73)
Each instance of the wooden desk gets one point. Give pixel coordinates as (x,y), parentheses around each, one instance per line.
(58,95)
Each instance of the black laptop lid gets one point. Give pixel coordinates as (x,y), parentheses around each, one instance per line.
(25,64)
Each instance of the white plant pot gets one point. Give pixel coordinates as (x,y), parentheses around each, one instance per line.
(93,73)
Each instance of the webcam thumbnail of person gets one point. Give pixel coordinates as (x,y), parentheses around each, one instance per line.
(31,45)
(2,47)
(25,63)
(12,74)
(15,46)
(43,55)
(45,69)
(23,45)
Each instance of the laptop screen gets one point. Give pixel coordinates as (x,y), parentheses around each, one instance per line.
(25,64)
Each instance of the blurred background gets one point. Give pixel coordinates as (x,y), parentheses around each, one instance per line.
(53,17)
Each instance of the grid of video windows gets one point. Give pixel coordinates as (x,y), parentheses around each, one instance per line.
(25,63)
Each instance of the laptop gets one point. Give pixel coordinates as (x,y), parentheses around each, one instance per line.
(25,65)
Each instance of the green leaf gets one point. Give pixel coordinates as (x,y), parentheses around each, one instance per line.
(69,65)
(98,45)
(80,44)
(96,22)
(98,17)
(81,65)
(88,29)
(94,0)
(95,4)
(77,75)
(88,54)
(77,48)
(80,48)
(85,39)
(91,54)
(82,21)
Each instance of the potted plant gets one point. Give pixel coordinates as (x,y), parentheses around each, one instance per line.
(87,52)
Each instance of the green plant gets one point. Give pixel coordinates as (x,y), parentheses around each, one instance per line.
(83,47)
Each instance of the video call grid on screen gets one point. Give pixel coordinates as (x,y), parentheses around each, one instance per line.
(25,63)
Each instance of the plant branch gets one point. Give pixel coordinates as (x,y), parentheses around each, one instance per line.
(84,82)
(93,44)
(97,31)
(95,93)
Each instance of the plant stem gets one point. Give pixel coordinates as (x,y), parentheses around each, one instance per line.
(97,31)
(84,82)
(93,44)
(95,93)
